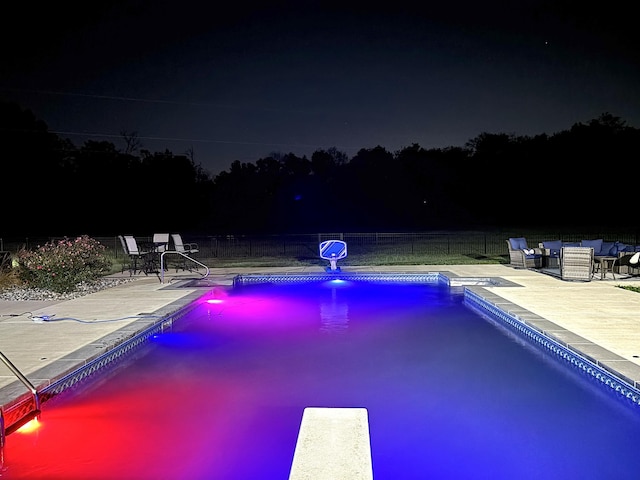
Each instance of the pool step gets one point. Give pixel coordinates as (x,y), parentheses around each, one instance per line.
(333,444)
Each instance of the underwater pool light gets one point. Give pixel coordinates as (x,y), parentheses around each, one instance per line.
(215,296)
(29,427)
(337,283)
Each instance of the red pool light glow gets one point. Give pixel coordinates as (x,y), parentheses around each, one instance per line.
(30,427)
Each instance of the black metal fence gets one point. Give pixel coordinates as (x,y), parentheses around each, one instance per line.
(304,246)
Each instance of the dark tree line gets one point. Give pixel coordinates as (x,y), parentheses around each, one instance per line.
(580,177)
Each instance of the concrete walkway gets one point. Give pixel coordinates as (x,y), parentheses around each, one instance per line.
(600,318)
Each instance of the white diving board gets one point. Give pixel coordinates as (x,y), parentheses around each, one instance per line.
(333,444)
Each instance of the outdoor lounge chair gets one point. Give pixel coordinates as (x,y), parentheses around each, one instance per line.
(135,255)
(576,263)
(125,249)
(184,248)
(521,256)
(160,242)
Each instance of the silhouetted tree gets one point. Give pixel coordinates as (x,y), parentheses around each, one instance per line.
(32,167)
(591,163)
(132,142)
(431,185)
(96,189)
(372,179)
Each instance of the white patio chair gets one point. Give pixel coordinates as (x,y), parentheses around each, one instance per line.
(161,242)
(135,254)
(125,249)
(184,248)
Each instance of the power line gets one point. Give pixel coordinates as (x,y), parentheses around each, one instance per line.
(192,140)
(149,100)
(170,102)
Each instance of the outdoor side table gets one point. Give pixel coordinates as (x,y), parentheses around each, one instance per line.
(605,264)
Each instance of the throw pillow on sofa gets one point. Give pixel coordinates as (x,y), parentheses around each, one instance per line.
(595,244)
(618,248)
(605,249)
(553,246)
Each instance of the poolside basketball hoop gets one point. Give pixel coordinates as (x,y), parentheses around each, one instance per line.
(333,250)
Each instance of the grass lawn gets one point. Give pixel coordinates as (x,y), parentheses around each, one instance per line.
(351,260)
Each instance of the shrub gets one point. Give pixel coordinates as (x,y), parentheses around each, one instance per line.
(9,279)
(60,266)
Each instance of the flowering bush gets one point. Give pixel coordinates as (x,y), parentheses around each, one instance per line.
(60,266)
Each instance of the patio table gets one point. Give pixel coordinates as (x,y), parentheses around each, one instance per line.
(550,258)
(605,264)
(152,256)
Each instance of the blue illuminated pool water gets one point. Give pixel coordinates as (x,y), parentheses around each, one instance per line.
(449,394)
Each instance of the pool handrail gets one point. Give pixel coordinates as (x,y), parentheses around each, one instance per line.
(206,274)
(36,400)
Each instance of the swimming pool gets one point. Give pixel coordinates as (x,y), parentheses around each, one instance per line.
(450,393)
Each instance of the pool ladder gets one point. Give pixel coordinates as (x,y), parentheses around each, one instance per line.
(4,430)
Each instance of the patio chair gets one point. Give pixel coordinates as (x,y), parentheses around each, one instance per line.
(576,263)
(161,242)
(184,248)
(135,255)
(521,256)
(123,243)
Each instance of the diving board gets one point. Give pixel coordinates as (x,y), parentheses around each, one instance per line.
(333,444)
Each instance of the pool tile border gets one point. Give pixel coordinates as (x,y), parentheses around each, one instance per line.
(617,373)
(402,277)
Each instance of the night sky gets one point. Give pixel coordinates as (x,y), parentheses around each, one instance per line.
(241,80)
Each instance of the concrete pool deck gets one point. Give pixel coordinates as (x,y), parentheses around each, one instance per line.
(596,318)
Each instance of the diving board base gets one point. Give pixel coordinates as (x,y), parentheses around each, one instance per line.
(333,444)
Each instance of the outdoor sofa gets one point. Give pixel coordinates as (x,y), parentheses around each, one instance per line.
(612,252)
(572,260)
